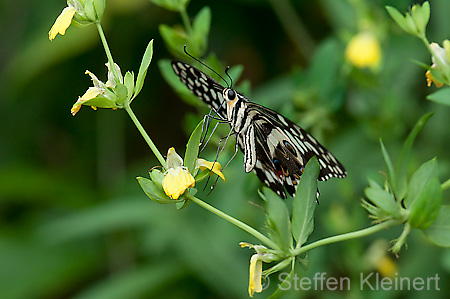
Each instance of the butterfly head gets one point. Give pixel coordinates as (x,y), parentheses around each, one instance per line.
(231,98)
(229,94)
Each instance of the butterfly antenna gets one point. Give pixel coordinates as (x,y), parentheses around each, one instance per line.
(231,79)
(204,64)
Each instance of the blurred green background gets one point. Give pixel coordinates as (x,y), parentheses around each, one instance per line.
(73,219)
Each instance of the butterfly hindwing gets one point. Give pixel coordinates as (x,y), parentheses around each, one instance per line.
(284,148)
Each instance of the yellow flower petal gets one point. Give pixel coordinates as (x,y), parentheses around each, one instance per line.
(363,50)
(430,80)
(62,22)
(173,159)
(213,166)
(438,54)
(254,285)
(176,181)
(91,93)
(245,244)
(75,108)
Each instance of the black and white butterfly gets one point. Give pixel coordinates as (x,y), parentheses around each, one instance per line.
(274,147)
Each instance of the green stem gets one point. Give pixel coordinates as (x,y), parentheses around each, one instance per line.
(186,21)
(234,221)
(144,134)
(107,50)
(445,185)
(347,236)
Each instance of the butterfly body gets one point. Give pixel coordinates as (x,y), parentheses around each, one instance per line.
(274,147)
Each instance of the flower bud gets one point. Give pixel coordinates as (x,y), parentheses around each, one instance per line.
(88,11)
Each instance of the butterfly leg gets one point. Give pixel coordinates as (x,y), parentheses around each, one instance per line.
(207,120)
(220,149)
(236,150)
(232,157)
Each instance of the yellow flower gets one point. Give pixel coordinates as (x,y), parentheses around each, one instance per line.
(363,50)
(79,13)
(254,285)
(62,22)
(255,271)
(101,95)
(213,166)
(177,178)
(90,94)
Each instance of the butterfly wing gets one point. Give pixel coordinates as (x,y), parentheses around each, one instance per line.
(282,150)
(203,86)
(274,147)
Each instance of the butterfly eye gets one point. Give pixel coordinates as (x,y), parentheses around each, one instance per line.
(231,94)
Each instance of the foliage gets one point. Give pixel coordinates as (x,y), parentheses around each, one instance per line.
(74,222)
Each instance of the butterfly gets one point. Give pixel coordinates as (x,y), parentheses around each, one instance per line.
(274,147)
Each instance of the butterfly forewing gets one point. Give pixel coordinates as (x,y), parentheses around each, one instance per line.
(274,147)
(203,86)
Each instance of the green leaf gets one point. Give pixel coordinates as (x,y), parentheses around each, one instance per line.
(442,96)
(405,153)
(146,59)
(182,204)
(421,16)
(425,208)
(411,27)
(157,177)
(277,218)
(420,63)
(439,231)
(192,147)
(304,203)
(103,102)
(397,17)
(385,201)
(322,75)
(374,184)
(128,81)
(154,193)
(426,172)
(175,40)
(173,5)
(390,168)
(135,282)
(99,6)
(121,92)
(201,176)
(200,30)
(95,220)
